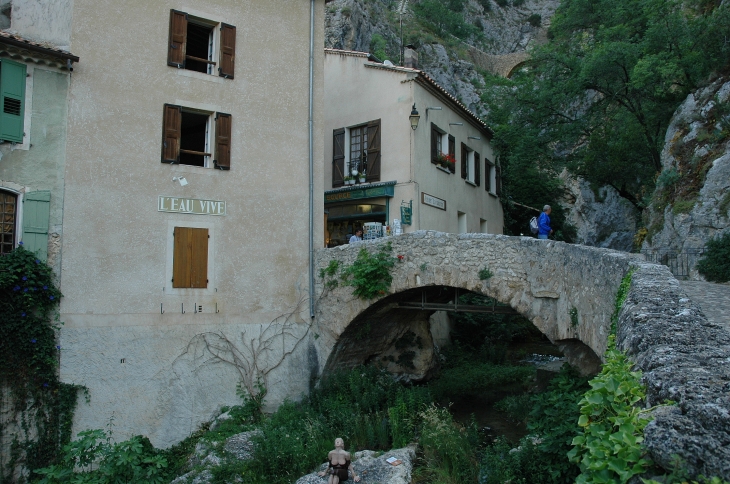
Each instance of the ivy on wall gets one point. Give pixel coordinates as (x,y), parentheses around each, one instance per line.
(36,409)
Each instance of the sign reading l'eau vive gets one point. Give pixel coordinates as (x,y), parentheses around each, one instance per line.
(191,205)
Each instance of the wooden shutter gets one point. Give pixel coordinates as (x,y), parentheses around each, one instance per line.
(12,97)
(487,175)
(36,214)
(498,183)
(223,123)
(178,39)
(171,130)
(338,157)
(372,170)
(190,258)
(477,169)
(228,51)
(464,161)
(452,146)
(434,144)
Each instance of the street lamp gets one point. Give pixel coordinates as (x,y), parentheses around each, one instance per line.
(414,117)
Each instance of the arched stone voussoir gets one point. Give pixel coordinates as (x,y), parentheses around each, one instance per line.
(567,291)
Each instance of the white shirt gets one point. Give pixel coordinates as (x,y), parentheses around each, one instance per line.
(355,238)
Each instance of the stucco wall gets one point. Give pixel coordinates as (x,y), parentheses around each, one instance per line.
(137,362)
(43,20)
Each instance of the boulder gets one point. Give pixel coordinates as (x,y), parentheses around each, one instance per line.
(373,468)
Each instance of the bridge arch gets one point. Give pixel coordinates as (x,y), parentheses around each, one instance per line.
(545,281)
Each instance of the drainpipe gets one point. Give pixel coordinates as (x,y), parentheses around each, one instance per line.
(311,158)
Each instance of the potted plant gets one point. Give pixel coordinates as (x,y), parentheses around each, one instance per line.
(447,161)
(362,177)
(349,180)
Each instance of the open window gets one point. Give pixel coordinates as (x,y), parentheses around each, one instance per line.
(188,134)
(443,148)
(355,151)
(469,165)
(8,218)
(192,45)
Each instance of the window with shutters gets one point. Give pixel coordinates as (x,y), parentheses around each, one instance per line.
(190,258)
(201,45)
(8,212)
(490,174)
(189,134)
(12,100)
(469,165)
(442,144)
(356,151)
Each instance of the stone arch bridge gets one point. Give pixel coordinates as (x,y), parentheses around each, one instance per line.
(568,292)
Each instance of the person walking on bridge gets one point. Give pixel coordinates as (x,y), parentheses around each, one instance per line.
(543,223)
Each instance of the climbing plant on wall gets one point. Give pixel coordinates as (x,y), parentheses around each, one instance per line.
(36,408)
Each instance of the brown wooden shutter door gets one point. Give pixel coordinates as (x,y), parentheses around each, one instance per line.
(452,146)
(434,144)
(477,169)
(228,51)
(498,184)
(190,258)
(171,128)
(372,173)
(178,38)
(223,124)
(464,160)
(338,157)
(199,259)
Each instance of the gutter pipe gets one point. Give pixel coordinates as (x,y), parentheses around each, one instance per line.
(311,158)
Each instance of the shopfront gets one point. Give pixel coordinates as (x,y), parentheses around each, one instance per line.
(349,208)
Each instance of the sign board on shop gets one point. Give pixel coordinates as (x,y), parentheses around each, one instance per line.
(191,205)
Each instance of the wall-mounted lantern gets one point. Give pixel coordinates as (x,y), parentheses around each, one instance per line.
(414,117)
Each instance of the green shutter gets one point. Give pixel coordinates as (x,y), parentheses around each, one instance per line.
(36,214)
(12,95)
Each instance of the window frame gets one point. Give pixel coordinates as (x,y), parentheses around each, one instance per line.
(221,44)
(16,218)
(184,221)
(218,136)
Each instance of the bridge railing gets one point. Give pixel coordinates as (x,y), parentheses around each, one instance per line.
(680,262)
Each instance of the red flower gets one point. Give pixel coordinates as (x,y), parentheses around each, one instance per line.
(401,257)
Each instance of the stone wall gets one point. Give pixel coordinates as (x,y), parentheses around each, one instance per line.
(685,358)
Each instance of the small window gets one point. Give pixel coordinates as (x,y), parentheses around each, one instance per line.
(461,221)
(358,149)
(188,134)
(490,174)
(468,169)
(190,258)
(192,42)
(8,212)
(361,156)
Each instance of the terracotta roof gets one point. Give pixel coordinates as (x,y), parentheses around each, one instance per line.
(9,38)
(422,77)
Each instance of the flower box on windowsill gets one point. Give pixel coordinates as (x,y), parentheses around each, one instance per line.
(446,170)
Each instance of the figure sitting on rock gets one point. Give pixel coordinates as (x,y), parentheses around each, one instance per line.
(339,461)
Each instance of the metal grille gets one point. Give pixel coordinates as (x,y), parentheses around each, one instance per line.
(11,106)
(7,222)
(680,262)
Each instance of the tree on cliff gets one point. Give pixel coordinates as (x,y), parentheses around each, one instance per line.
(597,99)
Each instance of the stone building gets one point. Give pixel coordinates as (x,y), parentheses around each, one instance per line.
(440,174)
(193,128)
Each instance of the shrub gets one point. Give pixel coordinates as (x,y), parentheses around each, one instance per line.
(715,264)
(535,20)
(502,3)
(370,274)
(448,448)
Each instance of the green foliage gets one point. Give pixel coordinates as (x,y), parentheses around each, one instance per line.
(252,409)
(378,46)
(445,18)
(370,273)
(485,274)
(597,99)
(683,206)
(41,405)
(448,448)
(329,274)
(541,457)
(610,450)
(573,317)
(621,294)
(502,3)
(472,378)
(715,264)
(94,459)
(535,20)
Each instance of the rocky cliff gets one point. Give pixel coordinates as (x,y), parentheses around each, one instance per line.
(691,203)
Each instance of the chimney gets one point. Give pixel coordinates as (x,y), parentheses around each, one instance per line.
(410,57)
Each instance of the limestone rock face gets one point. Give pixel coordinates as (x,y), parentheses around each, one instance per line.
(603,219)
(694,139)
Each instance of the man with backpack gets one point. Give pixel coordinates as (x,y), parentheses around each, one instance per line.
(543,223)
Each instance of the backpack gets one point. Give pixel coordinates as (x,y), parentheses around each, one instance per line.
(534,227)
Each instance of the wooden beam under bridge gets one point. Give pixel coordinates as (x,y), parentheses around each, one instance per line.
(455,307)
